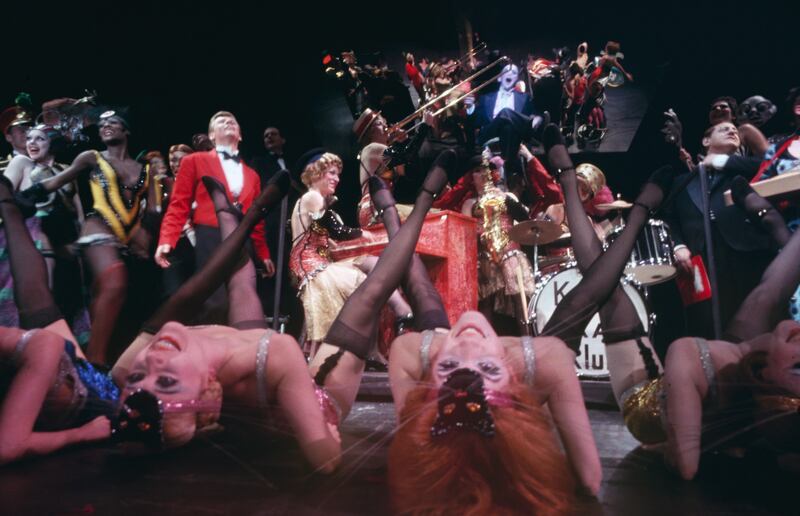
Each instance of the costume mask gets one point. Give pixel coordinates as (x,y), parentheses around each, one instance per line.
(756,110)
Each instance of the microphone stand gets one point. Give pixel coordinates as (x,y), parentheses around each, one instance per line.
(711,265)
(277,324)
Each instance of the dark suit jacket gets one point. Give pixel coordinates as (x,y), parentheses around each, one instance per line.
(267,166)
(484,111)
(685,217)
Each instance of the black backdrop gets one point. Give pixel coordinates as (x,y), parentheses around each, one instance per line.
(175,63)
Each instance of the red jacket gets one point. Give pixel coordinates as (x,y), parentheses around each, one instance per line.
(188,188)
(544,189)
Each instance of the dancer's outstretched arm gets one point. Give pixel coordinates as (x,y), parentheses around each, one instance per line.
(559,387)
(37,369)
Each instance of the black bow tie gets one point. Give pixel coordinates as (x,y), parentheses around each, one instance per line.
(227,155)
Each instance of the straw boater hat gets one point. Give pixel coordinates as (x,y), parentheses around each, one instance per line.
(364,122)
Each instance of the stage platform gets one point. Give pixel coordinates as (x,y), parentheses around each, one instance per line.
(243,472)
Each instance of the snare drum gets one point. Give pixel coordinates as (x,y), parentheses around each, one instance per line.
(651,259)
(591,361)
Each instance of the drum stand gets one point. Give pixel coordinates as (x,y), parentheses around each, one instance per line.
(527,324)
(712,266)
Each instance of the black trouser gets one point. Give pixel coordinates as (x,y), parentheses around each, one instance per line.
(738,272)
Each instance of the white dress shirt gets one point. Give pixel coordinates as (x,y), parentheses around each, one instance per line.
(505,99)
(234,174)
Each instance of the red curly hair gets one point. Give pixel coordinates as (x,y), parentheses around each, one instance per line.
(521,468)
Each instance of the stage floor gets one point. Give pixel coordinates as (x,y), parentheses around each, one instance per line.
(238,473)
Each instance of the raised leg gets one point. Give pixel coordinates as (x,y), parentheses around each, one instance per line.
(189,298)
(244,305)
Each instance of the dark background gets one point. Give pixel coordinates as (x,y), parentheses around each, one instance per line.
(175,63)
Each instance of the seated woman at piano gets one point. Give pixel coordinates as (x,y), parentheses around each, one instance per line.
(324,285)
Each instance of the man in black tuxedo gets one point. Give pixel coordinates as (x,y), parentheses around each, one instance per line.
(490,105)
(267,166)
(508,115)
(742,250)
(273,161)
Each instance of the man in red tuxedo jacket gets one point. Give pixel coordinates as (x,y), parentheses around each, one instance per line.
(243,185)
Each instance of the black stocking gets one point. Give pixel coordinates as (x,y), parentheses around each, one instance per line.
(189,298)
(32,295)
(244,306)
(766,304)
(355,326)
(618,316)
(760,210)
(429,312)
(602,277)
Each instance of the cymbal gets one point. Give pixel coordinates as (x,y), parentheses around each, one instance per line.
(619,204)
(563,241)
(535,232)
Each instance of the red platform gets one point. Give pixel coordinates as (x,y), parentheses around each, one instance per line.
(448,245)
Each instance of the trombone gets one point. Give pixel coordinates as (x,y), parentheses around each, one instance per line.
(445,94)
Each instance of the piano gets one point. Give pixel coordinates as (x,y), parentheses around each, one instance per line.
(775,188)
(448,246)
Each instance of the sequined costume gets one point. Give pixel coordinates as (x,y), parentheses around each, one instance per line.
(644,406)
(323,285)
(121,215)
(93,391)
(499,258)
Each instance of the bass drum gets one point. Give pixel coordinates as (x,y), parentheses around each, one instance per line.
(591,362)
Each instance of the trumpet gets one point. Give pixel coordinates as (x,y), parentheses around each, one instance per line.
(446,94)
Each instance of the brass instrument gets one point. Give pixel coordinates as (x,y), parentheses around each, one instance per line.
(492,204)
(446,94)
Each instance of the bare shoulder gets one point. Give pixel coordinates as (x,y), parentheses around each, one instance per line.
(546,351)
(406,346)
(404,355)
(686,349)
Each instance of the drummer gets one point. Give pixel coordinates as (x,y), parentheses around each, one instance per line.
(595,196)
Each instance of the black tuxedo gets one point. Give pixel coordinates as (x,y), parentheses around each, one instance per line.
(484,110)
(267,166)
(742,250)
(685,215)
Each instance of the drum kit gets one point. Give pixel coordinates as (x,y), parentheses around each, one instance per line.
(556,273)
